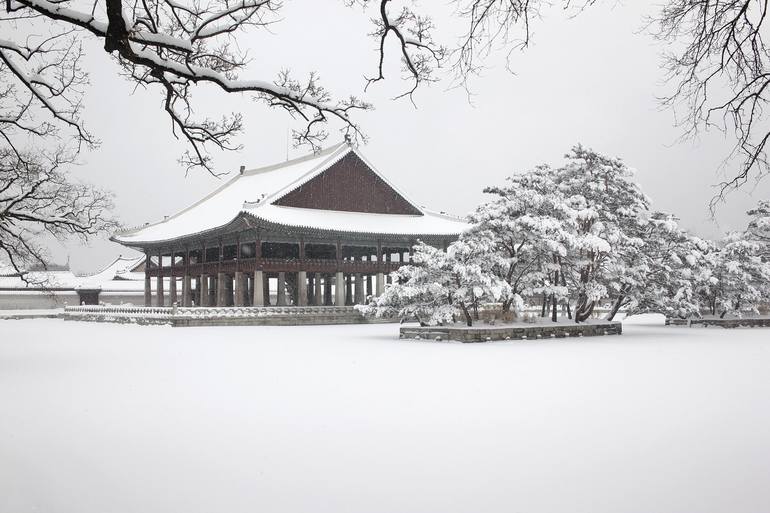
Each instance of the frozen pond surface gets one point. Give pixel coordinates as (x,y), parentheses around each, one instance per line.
(101,418)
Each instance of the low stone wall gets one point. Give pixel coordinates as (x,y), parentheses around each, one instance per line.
(747,322)
(230,316)
(485,333)
(37,299)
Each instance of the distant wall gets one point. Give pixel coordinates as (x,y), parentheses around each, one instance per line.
(39,300)
(36,300)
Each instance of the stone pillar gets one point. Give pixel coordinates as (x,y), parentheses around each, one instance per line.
(203,290)
(328,290)
(220,297)
(147,289)
(249,281)
(339,289)
(380,284)
(266,289)
(319,293)
(310,289)
(172,290)
(229,295)
(238,299)
(212,291)
(359,298)
(281,289)
(348,289)
(302,288)
(369,288)
(259,289)
(159,291)
(186,293)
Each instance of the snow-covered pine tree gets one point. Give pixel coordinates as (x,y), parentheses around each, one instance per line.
(440,285)
(529,220)
(759,227)
(609,210)
(664,275)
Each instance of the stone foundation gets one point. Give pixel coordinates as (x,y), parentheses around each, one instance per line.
(748,322)
(487,333)
(234,316)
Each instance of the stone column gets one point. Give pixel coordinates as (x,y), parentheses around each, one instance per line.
(266,286)
(249,280)
(348,289)
(159,291)
(229,295)
(186,293)
(302,288)
(212,291)
(380,283)
(238,299)
(147,289)
(259,289)
(172,290)
(339,289)
(369,288)
(281,298)
(220,298)
(319,293)
(359,298)
(310,289)
(203,290)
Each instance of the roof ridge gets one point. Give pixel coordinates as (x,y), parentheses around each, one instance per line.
(297,160)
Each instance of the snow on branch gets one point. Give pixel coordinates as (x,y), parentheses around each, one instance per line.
(36,199)
(174,45)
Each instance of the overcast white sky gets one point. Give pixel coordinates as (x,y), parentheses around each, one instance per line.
(592,79)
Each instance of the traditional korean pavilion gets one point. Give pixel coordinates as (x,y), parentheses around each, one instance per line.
(324,229)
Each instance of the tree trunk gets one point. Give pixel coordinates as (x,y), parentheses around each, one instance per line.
(615,307)
(468,318)
(545,305)
(583,309)
(553,307)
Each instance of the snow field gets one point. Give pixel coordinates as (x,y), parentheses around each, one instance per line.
(102,417)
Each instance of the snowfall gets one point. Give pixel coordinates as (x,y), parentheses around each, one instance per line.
(112,418)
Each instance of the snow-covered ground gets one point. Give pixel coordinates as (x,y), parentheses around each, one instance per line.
(109,418)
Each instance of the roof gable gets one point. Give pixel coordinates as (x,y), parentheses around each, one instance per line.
(348,185)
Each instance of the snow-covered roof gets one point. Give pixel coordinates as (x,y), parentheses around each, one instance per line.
(42,279)
(254,192)
(120,268)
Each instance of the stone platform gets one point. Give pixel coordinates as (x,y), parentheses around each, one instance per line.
(704,322)
(487,333)
(219,316)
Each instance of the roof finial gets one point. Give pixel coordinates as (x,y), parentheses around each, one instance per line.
(243,168)
(348,139)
